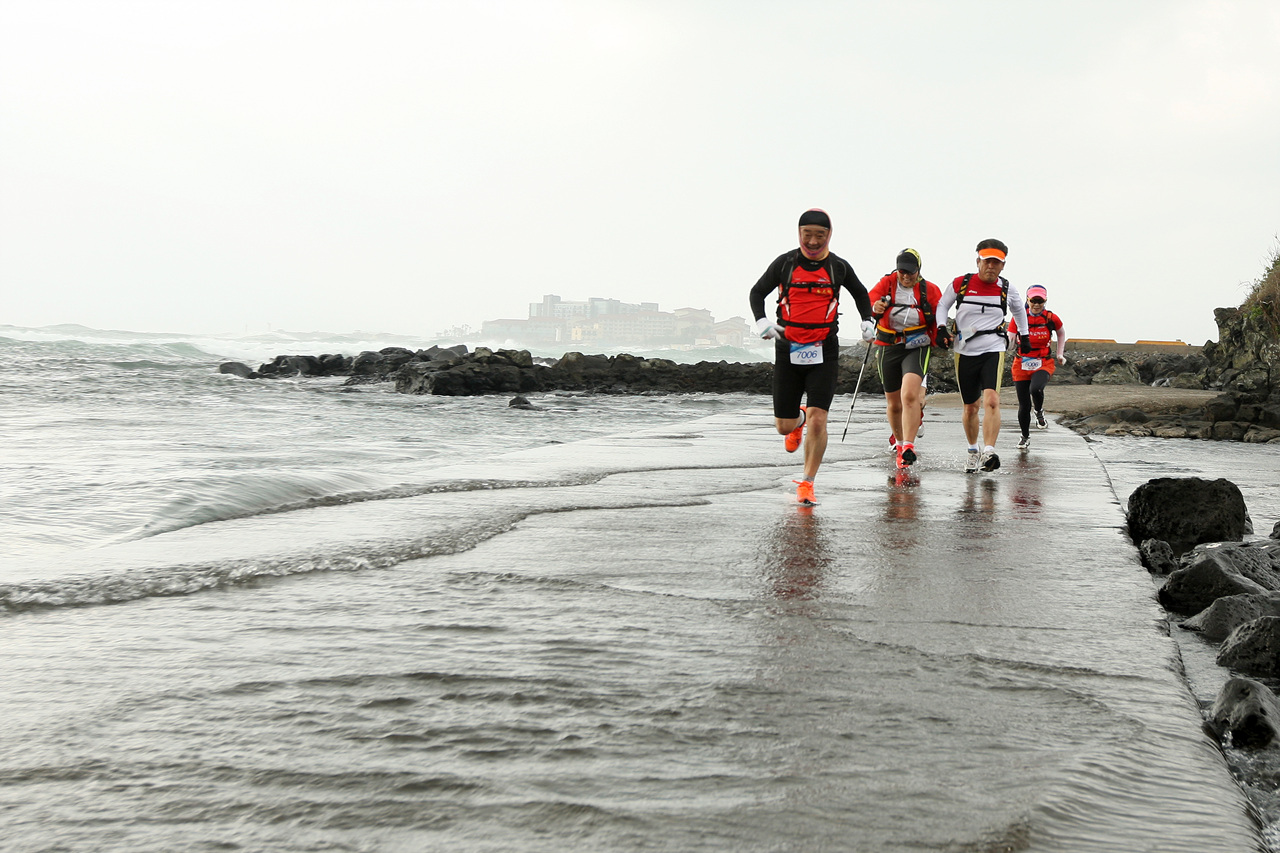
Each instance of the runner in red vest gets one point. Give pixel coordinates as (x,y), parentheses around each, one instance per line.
(1032,371)
(904,305)
(807,350)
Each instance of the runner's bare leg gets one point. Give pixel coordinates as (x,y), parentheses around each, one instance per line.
(815,440)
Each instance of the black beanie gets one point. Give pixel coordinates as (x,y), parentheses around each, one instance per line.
(815,217)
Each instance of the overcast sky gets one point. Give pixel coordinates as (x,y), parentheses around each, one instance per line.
(229,167)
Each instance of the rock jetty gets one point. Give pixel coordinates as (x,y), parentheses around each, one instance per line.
(1244,367)
(1227,586)
(1221,586)
(457,371)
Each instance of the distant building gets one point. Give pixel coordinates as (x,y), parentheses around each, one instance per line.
(638,328)
(553,306)
(611,322)
(730,333)
(533,330)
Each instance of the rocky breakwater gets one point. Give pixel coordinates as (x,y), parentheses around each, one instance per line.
(1240,368)
(1243,366)
(1191,535)
(455,371)
(487,371)
(1192,532)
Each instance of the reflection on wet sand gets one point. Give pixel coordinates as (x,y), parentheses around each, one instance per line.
(898,536)
(979,501)
(796,554)
(1027,484)
(901,498)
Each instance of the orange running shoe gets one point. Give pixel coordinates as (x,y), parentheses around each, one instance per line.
(804,492)
(792,441)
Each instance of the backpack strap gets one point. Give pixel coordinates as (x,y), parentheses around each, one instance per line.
(784,286)
(787,269)
(925,310)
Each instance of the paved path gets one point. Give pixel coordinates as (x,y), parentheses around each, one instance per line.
(918,657)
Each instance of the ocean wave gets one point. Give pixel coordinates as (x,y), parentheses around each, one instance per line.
(75,352)
(190,578)
(248,497)
(448,534)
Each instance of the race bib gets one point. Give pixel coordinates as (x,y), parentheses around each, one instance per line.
(916,338)
(1031,364)
(806,355)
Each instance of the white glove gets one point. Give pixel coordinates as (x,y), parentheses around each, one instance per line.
(768,329)
(868,330)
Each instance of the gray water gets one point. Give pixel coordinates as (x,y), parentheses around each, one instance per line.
(288,617)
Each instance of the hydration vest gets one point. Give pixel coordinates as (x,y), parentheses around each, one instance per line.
(807,303)
(1004,306)
(1040,328)
(885,334)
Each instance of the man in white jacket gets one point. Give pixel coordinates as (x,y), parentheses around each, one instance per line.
(982,302)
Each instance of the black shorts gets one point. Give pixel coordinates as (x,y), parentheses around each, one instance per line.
(791,382)
(977,373)
(893,361)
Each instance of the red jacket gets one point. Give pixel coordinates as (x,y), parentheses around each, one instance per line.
(1040,329)
(888,287)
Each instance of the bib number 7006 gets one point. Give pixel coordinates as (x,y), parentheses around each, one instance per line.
(806,355)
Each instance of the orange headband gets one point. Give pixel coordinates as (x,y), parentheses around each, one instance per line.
(983,254)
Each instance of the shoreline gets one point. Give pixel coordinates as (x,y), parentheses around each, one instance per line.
(1168,396)
(1078,400)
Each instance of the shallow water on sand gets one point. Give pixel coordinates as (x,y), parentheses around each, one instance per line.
(632,641)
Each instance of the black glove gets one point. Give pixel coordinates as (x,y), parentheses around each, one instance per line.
(943,338)
(1024,345)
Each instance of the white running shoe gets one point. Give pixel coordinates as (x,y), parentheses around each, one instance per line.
(1041,423)
(990,461)
(1024,443)
(971,465)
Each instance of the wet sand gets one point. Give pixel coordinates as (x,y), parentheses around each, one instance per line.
(1079,400)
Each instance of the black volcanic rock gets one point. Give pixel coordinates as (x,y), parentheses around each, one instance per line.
(1188,511)
(236,368)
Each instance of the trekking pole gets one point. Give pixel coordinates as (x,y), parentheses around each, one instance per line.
(865,356)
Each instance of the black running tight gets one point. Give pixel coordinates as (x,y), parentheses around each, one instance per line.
(1030,393)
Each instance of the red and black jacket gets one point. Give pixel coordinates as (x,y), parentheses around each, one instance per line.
(809,294)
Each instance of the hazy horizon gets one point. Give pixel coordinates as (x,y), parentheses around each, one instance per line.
(232,168)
